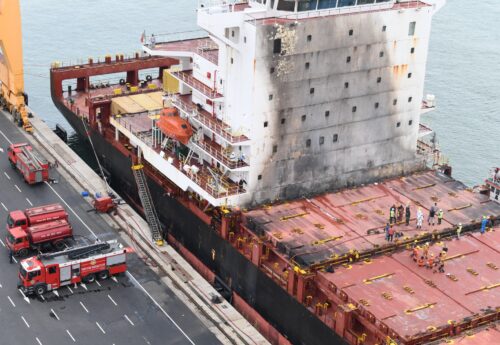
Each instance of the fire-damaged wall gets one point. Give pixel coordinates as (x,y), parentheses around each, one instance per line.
(337,100)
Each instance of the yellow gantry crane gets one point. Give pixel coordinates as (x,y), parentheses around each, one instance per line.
(12,96)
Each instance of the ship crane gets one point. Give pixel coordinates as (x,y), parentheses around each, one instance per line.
(12,96)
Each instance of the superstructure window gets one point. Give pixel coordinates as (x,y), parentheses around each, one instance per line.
(303,118)
(410,122)
(348,59)
(307,65)
(335,138)
(271,70)
(379,79)
(384,28)
(410,99)
(394,102)
(265,124)
(354,109)
(275,148)
(321,140)
(398,124)
(346,85)
(376,105)
(311,90)
(381,54)
(283,121)
(244,39)
(232,60)
(270,97)
(327,113)
(308,143)
(412,50)
(309,38)
(411,28)
(259,177)
(351,32)
(409,75)
(277,46)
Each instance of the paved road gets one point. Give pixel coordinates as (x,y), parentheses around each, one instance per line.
(132,309)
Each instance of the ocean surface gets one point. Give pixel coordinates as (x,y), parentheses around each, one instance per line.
(462,69)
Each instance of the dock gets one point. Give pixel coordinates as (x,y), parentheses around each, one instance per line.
(159,274)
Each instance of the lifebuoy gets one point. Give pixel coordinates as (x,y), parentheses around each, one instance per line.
(149,77)
(122,81)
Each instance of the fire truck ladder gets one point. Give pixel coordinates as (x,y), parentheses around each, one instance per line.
(80,252)
(147,203)
(32,158)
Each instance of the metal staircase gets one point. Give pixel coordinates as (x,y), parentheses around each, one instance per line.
(147,203)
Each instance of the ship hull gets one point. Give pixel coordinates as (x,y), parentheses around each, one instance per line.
(273,303)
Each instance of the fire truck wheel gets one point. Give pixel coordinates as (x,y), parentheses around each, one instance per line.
(103,275)
(22,252)
(59,245)
(89,279)
(40,289)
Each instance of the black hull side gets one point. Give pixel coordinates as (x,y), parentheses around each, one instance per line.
(281,310)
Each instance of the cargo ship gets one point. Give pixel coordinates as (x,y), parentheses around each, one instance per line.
(282,148)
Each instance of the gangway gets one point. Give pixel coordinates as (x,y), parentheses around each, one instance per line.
(147,203)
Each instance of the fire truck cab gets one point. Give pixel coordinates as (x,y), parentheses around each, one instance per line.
(47,272)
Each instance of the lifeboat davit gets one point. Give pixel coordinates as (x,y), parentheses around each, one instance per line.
(173,126)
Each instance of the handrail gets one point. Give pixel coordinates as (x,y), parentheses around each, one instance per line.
(196,84)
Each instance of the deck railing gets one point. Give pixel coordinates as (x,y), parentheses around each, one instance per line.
(205,119)
(196,84)
(203,178)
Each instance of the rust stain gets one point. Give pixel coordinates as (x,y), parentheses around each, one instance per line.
(394,44)
(415,41)
(399,70)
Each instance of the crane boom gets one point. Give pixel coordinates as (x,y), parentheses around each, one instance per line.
(12,94)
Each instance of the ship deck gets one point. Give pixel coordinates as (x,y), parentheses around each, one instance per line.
(203,46)
(310,232)
(415,302)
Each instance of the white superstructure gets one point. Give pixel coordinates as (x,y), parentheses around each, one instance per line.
(290,98)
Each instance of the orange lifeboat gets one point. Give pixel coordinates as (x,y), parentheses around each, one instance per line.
(175,127)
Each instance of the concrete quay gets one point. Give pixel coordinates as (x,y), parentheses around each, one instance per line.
(229,326)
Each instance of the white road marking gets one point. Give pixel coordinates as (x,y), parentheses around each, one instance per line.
(29,202)
(43,298)
(71,336)
(55,292)
(19,189)
(14,258)
(83,306)
(112,300)
(1,286)
(73,211)
(161,308)
(10,299)
(98,325)
(53,312)
(24,296)
(4,207)
(26,322)
(84,286)
(3,244)
(8,140)
(38,341)
(69,289)
(130,321)
(6,175)
(114,279)
(1,150)
(97,282)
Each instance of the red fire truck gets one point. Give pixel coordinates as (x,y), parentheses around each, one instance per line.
(47,272)
(40,236)
(36,215)
(33,168)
